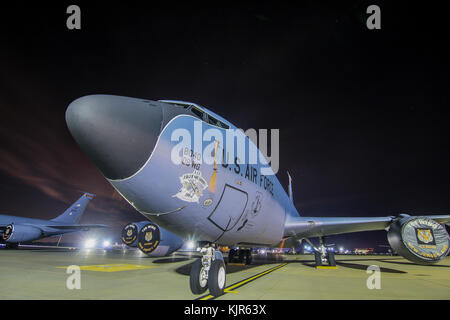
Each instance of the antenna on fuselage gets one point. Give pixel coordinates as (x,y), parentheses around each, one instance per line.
(290,187)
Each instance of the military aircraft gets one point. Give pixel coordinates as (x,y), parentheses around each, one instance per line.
(14,230)
(212,192)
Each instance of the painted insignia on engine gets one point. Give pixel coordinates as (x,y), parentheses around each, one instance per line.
(425,236)
(192,186)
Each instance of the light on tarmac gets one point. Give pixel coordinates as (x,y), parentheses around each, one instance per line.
(106,244)
(90,243)
(190,245)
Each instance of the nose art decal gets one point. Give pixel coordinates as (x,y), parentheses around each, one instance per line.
(192,186)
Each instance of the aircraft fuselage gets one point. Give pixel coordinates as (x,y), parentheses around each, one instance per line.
(228,201)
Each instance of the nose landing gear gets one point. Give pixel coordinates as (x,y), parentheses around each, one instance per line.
(208,272)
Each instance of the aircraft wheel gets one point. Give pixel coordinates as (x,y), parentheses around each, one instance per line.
(331,260)
(231,255)
(217,278)
(318,259)
(11,245)
(197,283)
(248,257)
(241,255)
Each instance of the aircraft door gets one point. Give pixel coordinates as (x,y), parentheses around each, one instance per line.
(229,209)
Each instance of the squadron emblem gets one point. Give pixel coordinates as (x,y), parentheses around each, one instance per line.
(425,235)
(192,186)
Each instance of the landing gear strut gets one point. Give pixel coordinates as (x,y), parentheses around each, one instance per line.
(208,272)
(322,256)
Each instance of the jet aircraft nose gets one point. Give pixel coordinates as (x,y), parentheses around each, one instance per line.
(117,133)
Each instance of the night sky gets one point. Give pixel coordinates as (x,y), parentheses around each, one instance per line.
(363,114)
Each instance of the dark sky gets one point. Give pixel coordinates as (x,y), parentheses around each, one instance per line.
(363,114)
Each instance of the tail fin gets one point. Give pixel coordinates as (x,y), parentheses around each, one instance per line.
(73,214)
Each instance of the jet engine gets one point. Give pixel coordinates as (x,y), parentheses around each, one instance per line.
(150,238)
(419,239)
(130,233)
(15,233)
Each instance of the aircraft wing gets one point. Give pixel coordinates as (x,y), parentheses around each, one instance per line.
(306,227)
(440,219)
(50,229)
(77,227)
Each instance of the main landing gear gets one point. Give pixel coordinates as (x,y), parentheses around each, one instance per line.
(240,256)
(208,272)
(322,256)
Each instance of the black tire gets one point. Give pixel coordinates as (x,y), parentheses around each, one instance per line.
(331,260)
(231,255)
(217,278)
(241,255)
(248,257)
(194,279)
(318,258)
(11,246)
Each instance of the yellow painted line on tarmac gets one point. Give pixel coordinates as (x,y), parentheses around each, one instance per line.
(230,291)
(236,285)
(113,267)
(325,267)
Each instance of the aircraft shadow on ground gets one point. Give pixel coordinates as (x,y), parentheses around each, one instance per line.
(307,263)
(230,267)
(415,264)
(170,260)
(364,267)
(49,250)
(369,259)
(311,264)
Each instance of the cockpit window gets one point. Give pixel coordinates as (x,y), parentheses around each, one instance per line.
(184,106)
(197,112)
(209,119)
(181,104)
(217,123)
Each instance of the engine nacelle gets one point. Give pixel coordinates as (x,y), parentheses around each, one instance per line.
(151,239)
(419,239)
(15,233)
(130,233)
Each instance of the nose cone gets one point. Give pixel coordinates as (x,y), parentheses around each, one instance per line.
(117,133)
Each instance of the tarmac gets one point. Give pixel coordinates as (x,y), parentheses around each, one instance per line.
(41,273)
